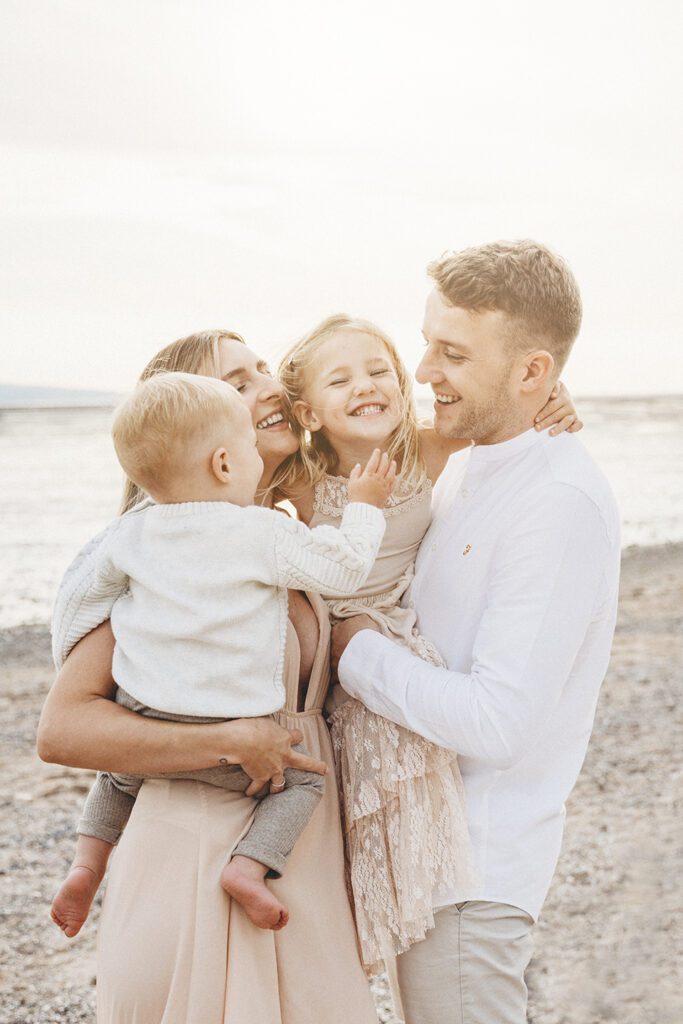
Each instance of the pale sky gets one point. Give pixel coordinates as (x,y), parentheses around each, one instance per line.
(168,166)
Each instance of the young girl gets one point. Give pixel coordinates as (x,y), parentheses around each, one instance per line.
(350,393)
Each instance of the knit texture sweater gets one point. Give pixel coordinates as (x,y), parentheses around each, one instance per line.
(197,596)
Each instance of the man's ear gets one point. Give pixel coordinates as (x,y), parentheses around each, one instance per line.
(537,370)
(220,466)
(306,416)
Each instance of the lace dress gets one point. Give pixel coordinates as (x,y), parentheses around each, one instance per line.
(402,798)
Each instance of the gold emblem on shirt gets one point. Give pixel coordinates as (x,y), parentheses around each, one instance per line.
(467,549)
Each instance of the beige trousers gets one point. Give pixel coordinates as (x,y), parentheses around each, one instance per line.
(470,967)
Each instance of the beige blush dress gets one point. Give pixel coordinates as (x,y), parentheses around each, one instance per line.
(402,797)
(174,949)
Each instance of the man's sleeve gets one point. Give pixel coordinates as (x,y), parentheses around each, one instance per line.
(548,585)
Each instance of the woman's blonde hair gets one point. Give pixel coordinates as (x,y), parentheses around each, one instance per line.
(197,353)
(316,457)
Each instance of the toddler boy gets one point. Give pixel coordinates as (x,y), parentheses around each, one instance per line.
(198,582)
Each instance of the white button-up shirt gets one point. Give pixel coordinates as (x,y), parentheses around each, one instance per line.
(516,583)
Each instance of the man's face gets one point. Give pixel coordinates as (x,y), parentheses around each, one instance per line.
(469,369)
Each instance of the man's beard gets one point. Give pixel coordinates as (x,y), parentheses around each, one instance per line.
(478,421)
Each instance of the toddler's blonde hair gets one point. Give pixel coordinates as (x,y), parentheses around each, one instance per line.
(197,353)
(156,429)
(316,457)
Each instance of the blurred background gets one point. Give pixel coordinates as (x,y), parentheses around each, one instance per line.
(168,166)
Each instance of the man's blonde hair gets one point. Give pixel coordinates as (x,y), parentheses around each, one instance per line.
(197,353)
(530,284)
(316,457)
(156,429)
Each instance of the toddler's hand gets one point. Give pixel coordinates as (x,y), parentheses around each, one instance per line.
(375,483)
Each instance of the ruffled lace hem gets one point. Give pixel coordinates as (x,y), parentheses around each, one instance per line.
(406,837)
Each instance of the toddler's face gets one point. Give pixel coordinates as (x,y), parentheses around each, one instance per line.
(352,392)
(244,462)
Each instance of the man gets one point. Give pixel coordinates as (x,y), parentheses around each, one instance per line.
(516,583)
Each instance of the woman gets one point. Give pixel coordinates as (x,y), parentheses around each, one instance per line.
(172,947)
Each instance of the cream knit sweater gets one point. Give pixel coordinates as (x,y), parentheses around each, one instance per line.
(197,596)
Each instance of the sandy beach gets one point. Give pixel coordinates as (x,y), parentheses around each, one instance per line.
(609,945)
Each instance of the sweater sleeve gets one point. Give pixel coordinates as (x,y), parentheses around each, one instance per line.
(326,560)
(87,592)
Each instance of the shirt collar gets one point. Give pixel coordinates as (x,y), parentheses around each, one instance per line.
(506,449)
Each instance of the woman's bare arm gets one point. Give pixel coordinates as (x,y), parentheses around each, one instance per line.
(81,726)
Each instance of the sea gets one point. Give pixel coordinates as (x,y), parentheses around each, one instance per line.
(60,484)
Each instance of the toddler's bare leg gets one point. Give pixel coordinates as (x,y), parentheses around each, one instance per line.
(71,905)
(244,880)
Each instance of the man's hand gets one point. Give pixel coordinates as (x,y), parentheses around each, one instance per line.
(343,633)
(264,749)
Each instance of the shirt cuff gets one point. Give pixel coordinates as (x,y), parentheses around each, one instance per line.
(357,663)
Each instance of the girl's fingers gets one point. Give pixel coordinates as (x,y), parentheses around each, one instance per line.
(563,425)
(355,472)
(551,407)
(556,416)
(576,425)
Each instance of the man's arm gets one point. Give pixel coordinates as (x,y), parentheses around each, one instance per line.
(548,584)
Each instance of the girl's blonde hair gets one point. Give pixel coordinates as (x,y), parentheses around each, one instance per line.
(197,353)
(316,457)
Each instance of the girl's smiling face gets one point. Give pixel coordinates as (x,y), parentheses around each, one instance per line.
(352,391)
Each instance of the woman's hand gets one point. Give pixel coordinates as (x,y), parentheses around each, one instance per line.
(264,749)
(558,413)
(81,726)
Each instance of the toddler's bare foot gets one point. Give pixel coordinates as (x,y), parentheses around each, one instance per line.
(71,904)
(244,880)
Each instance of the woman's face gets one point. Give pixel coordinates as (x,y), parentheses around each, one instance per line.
(263,395)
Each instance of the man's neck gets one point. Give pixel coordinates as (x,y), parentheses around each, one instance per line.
(505,432)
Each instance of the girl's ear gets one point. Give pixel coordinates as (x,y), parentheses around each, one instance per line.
(306,416)
(220,466)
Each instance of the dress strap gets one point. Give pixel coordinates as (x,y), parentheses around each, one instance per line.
(320,673)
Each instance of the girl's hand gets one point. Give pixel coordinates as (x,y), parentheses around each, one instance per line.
(374,484)
(558,413)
